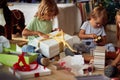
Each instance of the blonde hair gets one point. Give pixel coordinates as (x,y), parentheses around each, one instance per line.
(117,26)
(47,8)
(99,12)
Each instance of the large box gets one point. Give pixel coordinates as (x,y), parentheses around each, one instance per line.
(99,57)
(40,71)
(52,47)
(8,58)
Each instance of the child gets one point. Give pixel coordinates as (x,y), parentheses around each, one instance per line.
(117,17)
(41,24)
(112,69)
(93,28)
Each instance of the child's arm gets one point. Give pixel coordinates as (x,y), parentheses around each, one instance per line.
(82,35)
(117,60)
(27,32)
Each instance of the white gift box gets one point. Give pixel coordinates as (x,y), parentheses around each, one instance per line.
(40,71)
(4,42)
(52,47)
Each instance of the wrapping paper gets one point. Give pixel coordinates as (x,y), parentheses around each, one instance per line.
(51,47)
(40,71)
(9,56)
(4,42)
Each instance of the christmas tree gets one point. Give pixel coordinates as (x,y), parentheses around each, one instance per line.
(111,6)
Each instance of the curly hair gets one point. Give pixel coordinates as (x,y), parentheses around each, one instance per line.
(47,8)
(99,12)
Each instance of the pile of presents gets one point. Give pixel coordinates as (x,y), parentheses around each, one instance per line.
(25,65)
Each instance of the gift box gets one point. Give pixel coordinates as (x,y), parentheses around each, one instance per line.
(52,47)
(9,56)
(4,42)
(40,71)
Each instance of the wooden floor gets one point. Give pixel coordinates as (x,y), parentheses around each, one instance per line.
(56,74)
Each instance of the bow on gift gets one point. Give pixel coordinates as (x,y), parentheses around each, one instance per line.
(25,66)
(60,39)
(61,33)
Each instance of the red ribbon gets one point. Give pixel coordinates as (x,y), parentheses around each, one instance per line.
(62,64)
(25,66)
(37,75)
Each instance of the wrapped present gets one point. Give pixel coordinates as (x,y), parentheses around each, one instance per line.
(40,71)
(54,45)
(4,42)
(9,56)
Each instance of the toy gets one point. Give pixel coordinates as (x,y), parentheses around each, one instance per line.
(12,18)
(98,39)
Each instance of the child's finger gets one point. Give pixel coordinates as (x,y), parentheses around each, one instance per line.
(118,51)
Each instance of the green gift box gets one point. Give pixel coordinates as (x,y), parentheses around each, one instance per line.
(8,58)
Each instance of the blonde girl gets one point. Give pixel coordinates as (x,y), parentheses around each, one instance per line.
(41,24)
(93,28)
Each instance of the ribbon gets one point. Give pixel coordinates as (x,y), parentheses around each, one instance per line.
(25,66)
(36,75)
(60,39)
(61,33)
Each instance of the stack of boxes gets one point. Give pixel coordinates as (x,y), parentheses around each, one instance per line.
(99,57)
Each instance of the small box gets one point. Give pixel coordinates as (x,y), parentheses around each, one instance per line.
(8,58)
(40,71)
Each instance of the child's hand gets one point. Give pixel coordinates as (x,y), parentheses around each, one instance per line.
(57,29)
(43,35)
(118,51)
(93,36)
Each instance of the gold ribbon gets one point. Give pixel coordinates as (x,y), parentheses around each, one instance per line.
(61,39)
